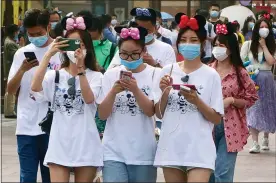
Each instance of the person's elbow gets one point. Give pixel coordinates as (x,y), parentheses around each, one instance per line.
(89,101)
(35,88)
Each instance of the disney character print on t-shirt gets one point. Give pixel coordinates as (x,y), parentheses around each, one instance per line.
(125,102)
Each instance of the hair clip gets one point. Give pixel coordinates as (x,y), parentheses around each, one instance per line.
(134,33)
(75,23)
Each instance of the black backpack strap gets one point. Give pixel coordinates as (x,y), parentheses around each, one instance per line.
(56,83)
(210,29)
(111,54)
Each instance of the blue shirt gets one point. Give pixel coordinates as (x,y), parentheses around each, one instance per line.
(109,35)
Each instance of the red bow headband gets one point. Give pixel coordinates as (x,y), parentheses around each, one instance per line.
(186,22)
(266,16)
(221,29)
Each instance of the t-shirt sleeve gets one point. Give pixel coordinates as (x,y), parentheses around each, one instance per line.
(106,86)
(157,90)
(115,61)
(96,84)
(169,57)
(48,87)
(216,95)
(16,64)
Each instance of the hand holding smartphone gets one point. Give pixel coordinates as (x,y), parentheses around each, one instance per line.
(74,44)
(30,56)
(126,75)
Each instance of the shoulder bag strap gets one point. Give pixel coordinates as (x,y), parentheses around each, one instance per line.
(56,87)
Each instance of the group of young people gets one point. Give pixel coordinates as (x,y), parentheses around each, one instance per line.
(203,127)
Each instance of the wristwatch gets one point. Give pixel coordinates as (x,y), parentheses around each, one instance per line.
(82,73)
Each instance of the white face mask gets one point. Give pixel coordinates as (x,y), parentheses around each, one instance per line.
(71,55)
(220,53)
(263,32)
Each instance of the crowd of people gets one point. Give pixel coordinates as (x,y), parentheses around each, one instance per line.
(138,95)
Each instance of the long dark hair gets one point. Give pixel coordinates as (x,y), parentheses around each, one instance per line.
(269,40)
(90,58)
(245,29)
(231,42)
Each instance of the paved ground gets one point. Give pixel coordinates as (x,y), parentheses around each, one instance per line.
(249,168)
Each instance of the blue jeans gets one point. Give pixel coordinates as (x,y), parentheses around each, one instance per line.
(114,171)
(226,161)
(31,151)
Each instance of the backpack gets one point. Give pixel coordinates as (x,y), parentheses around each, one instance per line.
(109,57)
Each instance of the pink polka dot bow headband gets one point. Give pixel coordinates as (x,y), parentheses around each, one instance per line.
(75,23)
(221,29)
(131,32)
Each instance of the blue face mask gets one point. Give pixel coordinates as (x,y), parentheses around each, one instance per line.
(38,41)
(132,64)
(251,25)
(53,25)
(189,51)
(149,38)
(214,14)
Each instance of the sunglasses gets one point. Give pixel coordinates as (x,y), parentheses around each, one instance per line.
(72,87)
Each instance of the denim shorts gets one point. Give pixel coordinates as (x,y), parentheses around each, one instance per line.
(182,168)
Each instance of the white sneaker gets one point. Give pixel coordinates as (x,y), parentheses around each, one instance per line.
(255,148)
(265,143)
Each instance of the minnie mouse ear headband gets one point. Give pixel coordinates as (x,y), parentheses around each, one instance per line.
(267,16)
(197,23)
(80,23)
(135,33)
(146,14)
(224,29)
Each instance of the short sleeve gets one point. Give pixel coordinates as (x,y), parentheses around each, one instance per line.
(216,101)
(95,84)
(245,50)
(116,61)
(48,87)
(249,93)
(16,64)
(106,87)
(169,57)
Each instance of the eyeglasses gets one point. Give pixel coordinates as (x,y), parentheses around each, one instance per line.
(133,56)
(72,89)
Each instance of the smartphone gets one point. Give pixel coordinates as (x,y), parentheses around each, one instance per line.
(185,88)
(191,87)
(73,44)
(30,56)
(176,86)
(127,75)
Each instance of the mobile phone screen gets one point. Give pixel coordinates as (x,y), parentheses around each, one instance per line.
(30,56)
(125,75)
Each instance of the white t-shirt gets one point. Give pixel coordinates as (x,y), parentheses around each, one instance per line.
(246,52)
(29,113)
(163,53)
(186,136)
(129,134)
(208,44)
(74,139)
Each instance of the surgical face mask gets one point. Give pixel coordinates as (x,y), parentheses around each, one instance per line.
(114,22)
(71,55)
(214,14)
(263,32)
(149,38)
(132,65)
(251,25)
(39,41)
(53,25)
(220,53)
(189,51)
